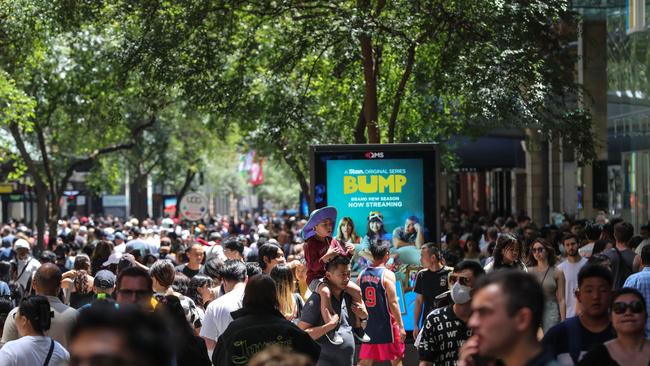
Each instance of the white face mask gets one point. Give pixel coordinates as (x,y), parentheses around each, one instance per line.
(460,294)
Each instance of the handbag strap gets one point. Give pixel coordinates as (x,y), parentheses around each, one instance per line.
(24,268)
(49,353)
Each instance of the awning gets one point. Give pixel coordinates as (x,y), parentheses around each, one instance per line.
(489,152)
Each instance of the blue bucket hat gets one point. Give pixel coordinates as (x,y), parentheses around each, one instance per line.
(315,218)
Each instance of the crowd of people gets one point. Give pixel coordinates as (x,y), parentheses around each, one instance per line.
(279,290)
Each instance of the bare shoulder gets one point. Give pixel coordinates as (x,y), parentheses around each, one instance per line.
(389,275)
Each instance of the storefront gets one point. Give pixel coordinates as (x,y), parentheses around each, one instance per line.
(628,110)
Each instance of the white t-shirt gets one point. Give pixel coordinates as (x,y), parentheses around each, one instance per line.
(120,248)
(217,316)
(571,283)
(26,274)
(32,350)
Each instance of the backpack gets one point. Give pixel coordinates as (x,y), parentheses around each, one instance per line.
(18,291)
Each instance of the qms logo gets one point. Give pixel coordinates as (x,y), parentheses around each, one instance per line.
(374,155)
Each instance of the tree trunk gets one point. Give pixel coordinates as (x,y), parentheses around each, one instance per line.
(189,177)
(53,220)
(360,128)
(410,60)
(370,109)
(139,197)
(41,217)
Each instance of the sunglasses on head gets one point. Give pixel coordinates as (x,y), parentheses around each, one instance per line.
(463,280)
(620,307)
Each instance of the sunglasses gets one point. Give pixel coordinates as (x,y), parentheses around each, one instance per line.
(538,250)
(462,279)
(620,307)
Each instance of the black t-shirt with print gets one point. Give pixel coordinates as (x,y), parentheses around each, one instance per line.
(442,336)
(430,284)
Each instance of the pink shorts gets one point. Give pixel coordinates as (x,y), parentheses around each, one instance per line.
(384,351)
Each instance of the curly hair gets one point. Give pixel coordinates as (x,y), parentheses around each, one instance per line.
(80,280)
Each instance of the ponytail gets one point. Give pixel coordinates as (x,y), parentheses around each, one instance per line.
(37,310)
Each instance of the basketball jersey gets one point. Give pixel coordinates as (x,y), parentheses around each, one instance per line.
(379,327)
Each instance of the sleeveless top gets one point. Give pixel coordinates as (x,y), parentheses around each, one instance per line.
(547,280)
(379,327)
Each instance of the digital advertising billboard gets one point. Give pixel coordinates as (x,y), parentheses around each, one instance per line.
(396,180)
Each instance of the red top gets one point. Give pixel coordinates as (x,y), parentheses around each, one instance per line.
(315,249)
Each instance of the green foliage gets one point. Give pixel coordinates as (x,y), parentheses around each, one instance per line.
(291,73)
(193,81)
(279,188)
(15,106)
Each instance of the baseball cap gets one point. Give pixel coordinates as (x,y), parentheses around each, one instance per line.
(21,244)
(119,235)
(104,279)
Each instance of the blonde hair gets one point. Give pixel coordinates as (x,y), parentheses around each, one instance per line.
(285,285)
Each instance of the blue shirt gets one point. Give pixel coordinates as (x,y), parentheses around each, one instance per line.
(641,282)
(4,289)
(6,254)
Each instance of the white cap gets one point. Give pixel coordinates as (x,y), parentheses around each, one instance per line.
(113,259)
(83,229)
(21,244)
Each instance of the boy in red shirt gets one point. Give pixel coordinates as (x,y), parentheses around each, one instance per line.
(320,247)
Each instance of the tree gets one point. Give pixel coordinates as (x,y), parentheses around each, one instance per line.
(294,73)
(74,93)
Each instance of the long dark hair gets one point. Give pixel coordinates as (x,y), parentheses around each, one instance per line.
(502,242)
(37,310)
(550,253)
(102,251)
(260,293)
(371,235)
(197,281)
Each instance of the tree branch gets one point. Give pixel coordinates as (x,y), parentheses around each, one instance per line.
(370,89)
(360,128)
(410,60)
(46,161)
(97,153)
(20,144)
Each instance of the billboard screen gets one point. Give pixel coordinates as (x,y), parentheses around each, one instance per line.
(396,180)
